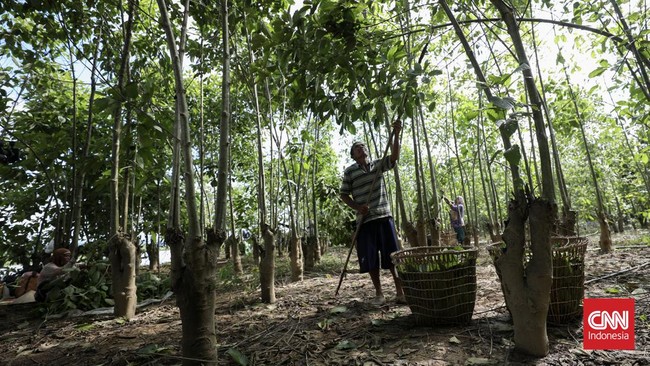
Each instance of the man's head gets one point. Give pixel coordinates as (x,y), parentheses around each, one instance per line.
(61,256)
(359,149)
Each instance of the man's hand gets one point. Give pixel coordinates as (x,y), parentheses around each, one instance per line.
(397,126)
(363,209)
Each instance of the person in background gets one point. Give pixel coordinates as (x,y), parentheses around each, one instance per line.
(55,269)
(377,237)
(456,213)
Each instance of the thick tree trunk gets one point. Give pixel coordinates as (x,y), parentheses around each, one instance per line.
(309,251)
(234,243)
(267,266)
(527,289)
(567,225)
(194,297)
(122,256)
(410,232)
(153,253)
(605,234)
(193,261)
(295,254)
(494,232)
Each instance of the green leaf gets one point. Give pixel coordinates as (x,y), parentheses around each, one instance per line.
(84,327)
(506,103)
(345,345)
(151,349)
(237,356)
(599,71)
(131,90)
(338,310)
(509,126)
(470,115)
(104,104)
(521,68)
(325,323)
(513,155)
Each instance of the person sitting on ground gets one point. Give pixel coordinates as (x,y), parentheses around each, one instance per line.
(27,282)
(55,269)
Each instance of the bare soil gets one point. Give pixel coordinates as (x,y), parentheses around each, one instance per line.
(309,326)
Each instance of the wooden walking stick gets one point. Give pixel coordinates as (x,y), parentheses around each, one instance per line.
(360,220)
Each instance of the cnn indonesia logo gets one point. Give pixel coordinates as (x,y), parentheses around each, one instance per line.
(608,324)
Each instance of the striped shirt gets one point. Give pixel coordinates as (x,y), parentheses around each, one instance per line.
(356,183)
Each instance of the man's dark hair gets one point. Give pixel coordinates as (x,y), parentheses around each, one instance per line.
(353,145)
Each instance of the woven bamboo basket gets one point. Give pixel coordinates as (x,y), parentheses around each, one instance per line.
(567,290)
(448,238)
(439,283)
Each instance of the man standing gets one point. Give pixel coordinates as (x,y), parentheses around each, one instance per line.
(363,190)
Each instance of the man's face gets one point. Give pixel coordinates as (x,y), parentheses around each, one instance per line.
(359,151)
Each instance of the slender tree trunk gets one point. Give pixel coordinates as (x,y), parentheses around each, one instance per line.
(81,176)
(420,224)
(631,45)
(434,224)
(234,239)
(193,261)
(567,224)
(605,234)
(121,249)
(267,260)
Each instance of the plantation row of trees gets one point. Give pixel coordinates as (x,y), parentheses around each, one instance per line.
(193,120)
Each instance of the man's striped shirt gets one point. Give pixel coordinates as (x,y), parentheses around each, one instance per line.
(357,183)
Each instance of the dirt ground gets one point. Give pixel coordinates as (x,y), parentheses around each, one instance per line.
(309,326)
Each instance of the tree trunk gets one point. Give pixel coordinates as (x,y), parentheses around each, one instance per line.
(122,257)
(408,229)
(121,249)
(81,177)
(530,329)
(308,251)
(267,266)
(234,240)
(296,256)
(527,291)
(605,233)
(193,261)
(152,252)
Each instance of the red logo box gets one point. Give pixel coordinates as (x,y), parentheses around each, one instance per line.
(608,324)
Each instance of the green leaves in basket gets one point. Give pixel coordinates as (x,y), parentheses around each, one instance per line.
(435,263)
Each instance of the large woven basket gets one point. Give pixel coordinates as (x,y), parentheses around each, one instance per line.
(439,283)
(448,238)
(567,290)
